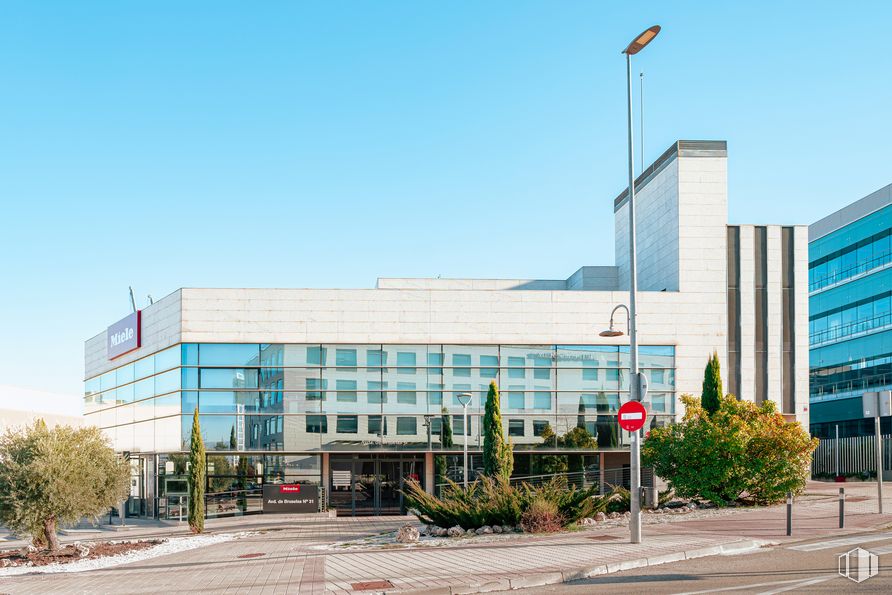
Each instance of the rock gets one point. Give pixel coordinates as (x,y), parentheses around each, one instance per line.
(407,534)
(484,530)
(497,529)
(28,549)
(587,522)
(82,551)
(455,531)
(4,563)
(518,529)
(507,529)
(600,517)
(627,514)
(442,532)
(613,515)
(470,532)
(692,506)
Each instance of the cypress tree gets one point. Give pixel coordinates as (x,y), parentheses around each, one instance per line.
(711,398)
(445,443)
(197,462)
(498,458)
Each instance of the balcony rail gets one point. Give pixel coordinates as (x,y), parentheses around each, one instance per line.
(845,275)
(851,330)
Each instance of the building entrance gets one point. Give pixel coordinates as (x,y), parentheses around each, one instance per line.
(370,485)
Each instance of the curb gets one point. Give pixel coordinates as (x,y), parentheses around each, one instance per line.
(542,579)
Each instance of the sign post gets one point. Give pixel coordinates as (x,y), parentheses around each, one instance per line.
(876,404)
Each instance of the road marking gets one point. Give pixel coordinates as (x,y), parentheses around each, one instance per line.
(826,545)
(800,584)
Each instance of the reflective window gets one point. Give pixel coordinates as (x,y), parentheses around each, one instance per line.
(317,424)
(406,426)
(347,424)
(167,359)
(227,378)
(515,427)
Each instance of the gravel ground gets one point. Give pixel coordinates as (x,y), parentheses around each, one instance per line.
(171,546)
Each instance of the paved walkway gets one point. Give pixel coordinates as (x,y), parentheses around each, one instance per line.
(292,562)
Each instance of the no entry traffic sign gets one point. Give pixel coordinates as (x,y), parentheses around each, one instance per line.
(632,416)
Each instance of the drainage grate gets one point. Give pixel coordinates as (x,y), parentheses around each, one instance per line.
(603,537)
(254,555)
(369,585)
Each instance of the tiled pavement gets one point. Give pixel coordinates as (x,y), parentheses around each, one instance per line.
(291,564)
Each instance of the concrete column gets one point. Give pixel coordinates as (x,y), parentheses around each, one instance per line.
(429,472)
(324,480)
(601,467)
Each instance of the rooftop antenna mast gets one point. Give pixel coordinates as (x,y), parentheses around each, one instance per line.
(132,300)
(151,301)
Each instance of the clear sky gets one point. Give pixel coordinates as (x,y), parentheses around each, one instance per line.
(296,144)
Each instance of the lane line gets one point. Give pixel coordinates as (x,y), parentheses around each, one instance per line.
(754,586)
(801,584)
(825,545)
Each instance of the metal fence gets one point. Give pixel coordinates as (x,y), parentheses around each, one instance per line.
(619,476)
(857,454)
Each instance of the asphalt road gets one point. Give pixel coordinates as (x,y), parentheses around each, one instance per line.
(807,567)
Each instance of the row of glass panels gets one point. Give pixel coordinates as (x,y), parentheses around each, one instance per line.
(866,255)
(857,319)
(299,433)
(420,403)
(407,359)
(298,390)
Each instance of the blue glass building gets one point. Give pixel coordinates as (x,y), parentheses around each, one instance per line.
(850,313)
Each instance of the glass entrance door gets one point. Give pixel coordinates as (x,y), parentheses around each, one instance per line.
(373,484)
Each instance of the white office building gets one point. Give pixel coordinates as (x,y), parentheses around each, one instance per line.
(351,388)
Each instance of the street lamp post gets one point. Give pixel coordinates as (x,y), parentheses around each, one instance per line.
(465,400)
(633,48)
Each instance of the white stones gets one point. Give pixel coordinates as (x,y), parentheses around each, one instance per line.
(600,517)
(587,522)
(407,534)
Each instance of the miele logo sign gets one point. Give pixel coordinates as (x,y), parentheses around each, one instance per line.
(124,335)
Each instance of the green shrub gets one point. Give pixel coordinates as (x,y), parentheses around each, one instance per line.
(494,501)
(541,516)
(742,450)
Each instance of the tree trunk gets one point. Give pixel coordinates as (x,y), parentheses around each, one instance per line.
(49,530)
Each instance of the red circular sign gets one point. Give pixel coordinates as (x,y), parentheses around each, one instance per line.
(632,416)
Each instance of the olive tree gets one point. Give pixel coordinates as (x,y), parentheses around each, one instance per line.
(57,476)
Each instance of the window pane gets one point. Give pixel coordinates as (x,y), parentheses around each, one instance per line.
(515,427)
(228,354)
(317,424)
(167,359)
(406,426)
(228,378)
(348,424)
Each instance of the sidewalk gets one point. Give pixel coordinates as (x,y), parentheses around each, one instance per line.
(291,560)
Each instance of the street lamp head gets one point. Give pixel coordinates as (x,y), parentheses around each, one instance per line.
(642,40)
(611,332)
(464,398)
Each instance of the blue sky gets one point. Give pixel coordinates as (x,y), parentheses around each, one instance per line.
(290,144)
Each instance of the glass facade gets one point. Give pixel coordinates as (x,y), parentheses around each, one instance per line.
(850,322)
(308,398)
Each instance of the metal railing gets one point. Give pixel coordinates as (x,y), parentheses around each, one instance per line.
(849,388)
(857,454)
(850,272)
(853,329)
(619,476)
